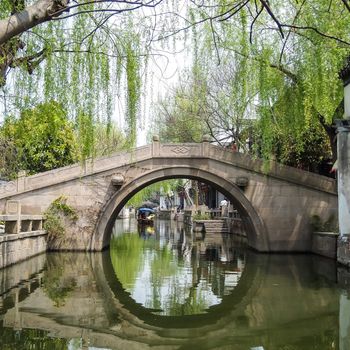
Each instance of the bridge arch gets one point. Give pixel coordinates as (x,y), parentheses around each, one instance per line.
(255,227)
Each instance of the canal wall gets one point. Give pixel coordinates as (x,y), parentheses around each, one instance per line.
(17,247)
(344,250)
(325,244)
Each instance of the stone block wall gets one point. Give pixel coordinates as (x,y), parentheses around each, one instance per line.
(18,247)
(236,226)
(325,244)
(344,250)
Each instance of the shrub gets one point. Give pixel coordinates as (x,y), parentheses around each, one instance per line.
(201,216)
(56,215)
(329,225)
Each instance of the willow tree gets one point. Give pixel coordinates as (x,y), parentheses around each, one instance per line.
(289,55)
(84,54)
(76,51)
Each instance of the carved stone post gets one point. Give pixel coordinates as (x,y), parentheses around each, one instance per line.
(155,146)
(205,146)
(13,210)
(21,181)
(344,172)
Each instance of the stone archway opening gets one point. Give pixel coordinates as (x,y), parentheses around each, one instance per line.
(256,232)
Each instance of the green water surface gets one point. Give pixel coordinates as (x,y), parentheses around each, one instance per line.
(165,288)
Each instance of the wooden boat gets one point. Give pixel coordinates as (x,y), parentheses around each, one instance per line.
(145,216)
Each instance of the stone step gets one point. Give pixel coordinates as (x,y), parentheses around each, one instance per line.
(215,226)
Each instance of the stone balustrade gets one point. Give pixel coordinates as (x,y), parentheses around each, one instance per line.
(21,235)
(14,224)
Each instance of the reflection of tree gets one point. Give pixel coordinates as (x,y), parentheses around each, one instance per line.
(179,277)
(190,300)
(29,339)
(56,284)
(163,267)
(126,255)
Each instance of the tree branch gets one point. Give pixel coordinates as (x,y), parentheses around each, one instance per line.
(30,62)
(278,67)
(46,10)
(346,4)
(252,24)
(235,9)
(214,40)
(289,32)
(295,27)
(269,11)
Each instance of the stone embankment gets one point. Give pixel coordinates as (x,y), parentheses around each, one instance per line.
(21,236)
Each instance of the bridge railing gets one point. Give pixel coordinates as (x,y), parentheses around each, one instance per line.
(90,166)
(14,222)
(166,151)
(94,166)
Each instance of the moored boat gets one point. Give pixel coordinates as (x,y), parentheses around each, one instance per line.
(145,216)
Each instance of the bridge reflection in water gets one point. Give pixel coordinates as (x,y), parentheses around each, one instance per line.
(225,298)
(168,270)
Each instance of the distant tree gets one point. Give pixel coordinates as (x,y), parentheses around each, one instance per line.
(9,160)
(181,115)
(151,192)
(109,139)
(96,139)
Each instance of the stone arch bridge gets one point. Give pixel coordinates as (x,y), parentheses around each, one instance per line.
(276,205)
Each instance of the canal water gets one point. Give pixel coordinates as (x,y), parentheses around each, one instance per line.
(162,287)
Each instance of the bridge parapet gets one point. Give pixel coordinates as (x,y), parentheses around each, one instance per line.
(274,169)
(98,165)
(15,222)
(75,171)
(22,237)
(167,151)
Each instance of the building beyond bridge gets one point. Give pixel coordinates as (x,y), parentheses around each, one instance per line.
(276,205)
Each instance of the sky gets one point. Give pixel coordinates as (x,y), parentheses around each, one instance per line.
(165,73)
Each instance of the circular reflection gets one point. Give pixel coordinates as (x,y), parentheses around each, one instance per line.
(170,271)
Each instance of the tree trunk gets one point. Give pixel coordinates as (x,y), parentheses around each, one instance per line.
(331,129)
(21,19)
(41,11)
